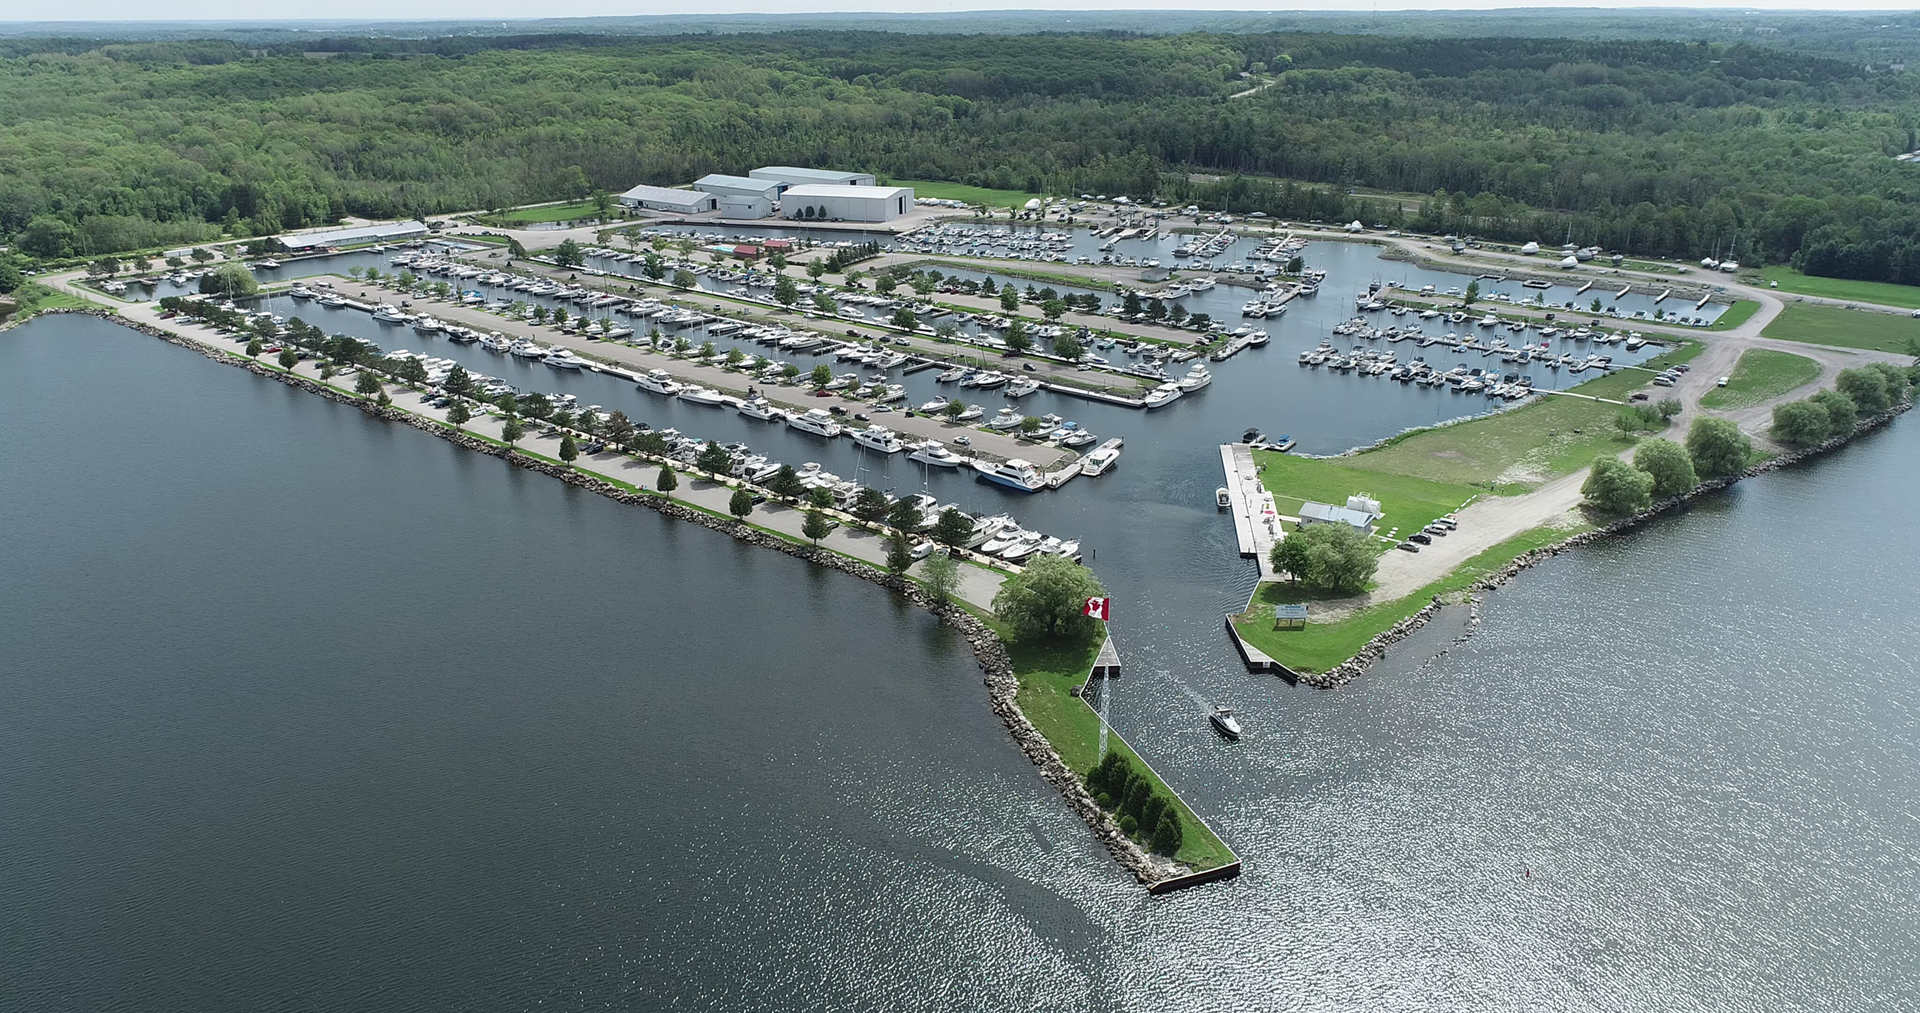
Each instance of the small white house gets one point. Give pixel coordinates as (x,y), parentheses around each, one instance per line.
(1327,513)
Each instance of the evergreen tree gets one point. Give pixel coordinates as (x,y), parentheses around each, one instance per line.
(667,482)
(569,450)
(741,504)
(816,526)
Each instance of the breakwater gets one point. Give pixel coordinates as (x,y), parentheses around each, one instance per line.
(1376,648)
(989,651)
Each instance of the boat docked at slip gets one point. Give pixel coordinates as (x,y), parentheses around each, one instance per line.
(657,381)
(388,313)
(495,342)
(1101,459)
(1165,394)
(1007,418)
(932,452)
(1022,387)
(1197,378)
(699,395)
(560,358)
(760,408)
(817,421)
(1014,474)
(953,375)
(427,325)
(526,349)
(298,291)
(879,438)
(935,406)
(971,412)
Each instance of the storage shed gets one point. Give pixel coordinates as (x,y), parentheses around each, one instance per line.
(847,203)
(660,198)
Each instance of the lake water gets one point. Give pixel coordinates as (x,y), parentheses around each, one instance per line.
(304,711)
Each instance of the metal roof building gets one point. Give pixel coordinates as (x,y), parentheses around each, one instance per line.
(847,203)
(789,175)
(722,185)
(358,234)
(1323,513)
(661,198)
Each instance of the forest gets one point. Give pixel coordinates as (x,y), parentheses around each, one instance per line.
(1646,147)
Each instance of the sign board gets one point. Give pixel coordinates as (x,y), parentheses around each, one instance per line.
(1289,617)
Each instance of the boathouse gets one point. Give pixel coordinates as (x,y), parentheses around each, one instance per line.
(847,203)
(791,176)
(1327,513)
(721,186)
(662,198)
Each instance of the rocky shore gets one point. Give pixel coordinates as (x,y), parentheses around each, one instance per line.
(988,649)
(1376,648)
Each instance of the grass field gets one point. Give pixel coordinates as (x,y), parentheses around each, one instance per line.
(1047,673)
(1739,313)
(970,194)
(1406,503)
(32,297)
(1760,375)
(550,213)
(1517,450)
(1883,293)
(1831,325)
(1321,646)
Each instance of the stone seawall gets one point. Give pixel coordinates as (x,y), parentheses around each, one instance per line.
(1376,648)
(988,650)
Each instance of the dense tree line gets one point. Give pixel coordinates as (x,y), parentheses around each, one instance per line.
(1648,147)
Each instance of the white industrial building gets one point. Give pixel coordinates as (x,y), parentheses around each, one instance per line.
(847,203)
(722,185)
(352,236)
(745,207)
(661,198)
(790,176)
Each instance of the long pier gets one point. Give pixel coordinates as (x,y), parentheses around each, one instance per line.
(1256,524)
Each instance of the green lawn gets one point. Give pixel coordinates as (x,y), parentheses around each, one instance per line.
(970,194)
(1762,375)
(1831,325)
(1322,646)
(1047,673)
(32,297)
(1518,450)
(1739,313)
(1846,290)
(1406,503)
(551,213)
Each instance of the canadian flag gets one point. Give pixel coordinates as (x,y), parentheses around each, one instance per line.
(1099,608)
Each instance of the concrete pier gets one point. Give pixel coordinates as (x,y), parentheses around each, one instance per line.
(1255,521)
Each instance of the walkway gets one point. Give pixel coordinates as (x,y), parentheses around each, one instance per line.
(1256,523)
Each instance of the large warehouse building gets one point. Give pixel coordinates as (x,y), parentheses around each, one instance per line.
(847,203)
(789,176)
(660,198)
(722,185)
(394,232)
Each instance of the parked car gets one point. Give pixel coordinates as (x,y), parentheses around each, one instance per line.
(1722,382)
(1407,547)
(1422,537)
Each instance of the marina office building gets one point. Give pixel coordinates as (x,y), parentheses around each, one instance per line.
(847,203)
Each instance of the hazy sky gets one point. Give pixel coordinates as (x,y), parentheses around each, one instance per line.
(148,10)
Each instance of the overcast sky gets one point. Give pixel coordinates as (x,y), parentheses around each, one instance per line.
(469,10)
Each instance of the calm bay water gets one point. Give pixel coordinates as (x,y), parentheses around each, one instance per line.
(301,711)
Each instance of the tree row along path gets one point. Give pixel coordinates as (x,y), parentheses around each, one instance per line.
(835,327)
(977,584)
(985,442)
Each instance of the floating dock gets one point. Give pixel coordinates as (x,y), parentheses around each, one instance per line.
(1705,299)
(1624,289)
(1662,297)
(1582,290)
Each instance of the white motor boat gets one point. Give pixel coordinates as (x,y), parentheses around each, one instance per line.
(973,411)
(1225,723)
(298,291)
(1165,394)
(1099,461)
(935,406)
(1006,419)
(932,452)
(560,358)
(388,313)
(427,325)
(1196,378)
(1022,387)
(699,395)
(817,421)
(527,349)
(760,408)
(879,438)
(1014,474)
(657,381)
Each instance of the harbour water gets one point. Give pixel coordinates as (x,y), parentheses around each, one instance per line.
(305,711)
